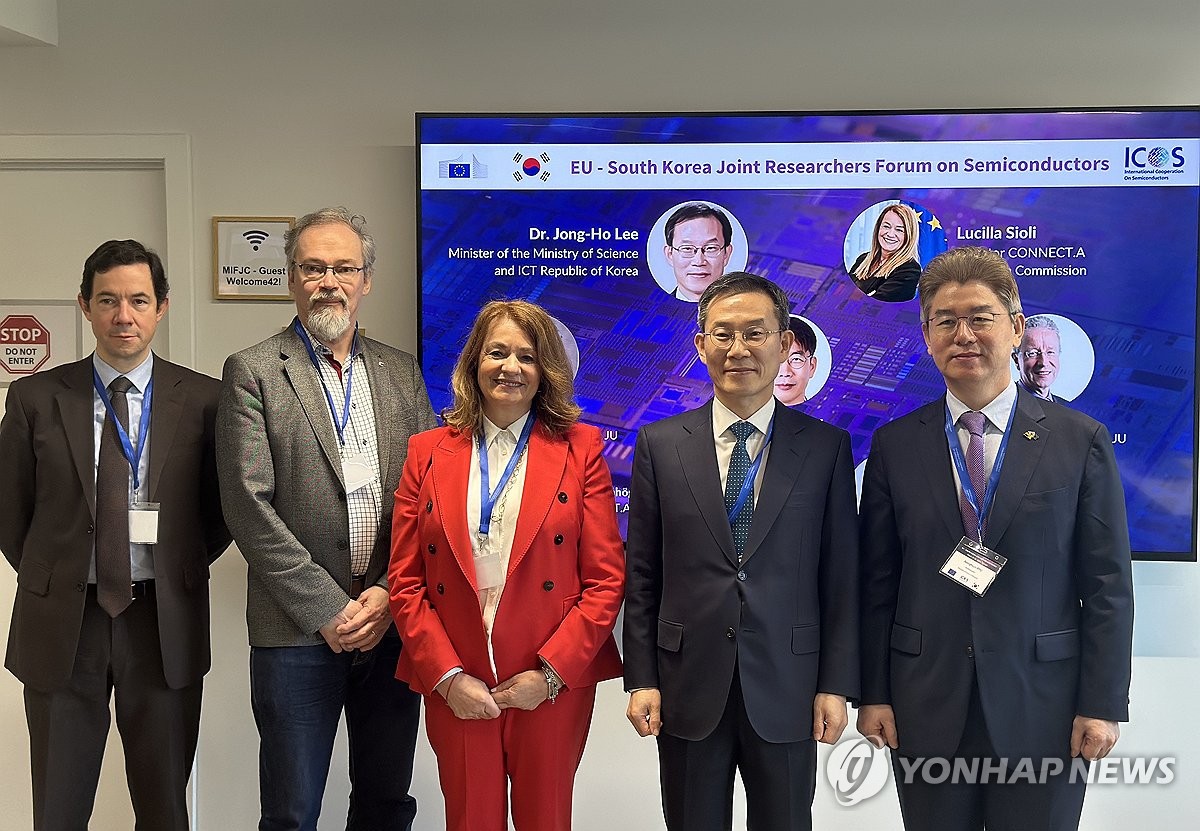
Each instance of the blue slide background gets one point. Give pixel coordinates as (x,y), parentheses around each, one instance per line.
(1137,302)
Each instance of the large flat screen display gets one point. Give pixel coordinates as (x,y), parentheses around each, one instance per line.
(614,223)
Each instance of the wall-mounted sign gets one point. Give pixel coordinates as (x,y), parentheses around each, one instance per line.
(37,335)
(248,258)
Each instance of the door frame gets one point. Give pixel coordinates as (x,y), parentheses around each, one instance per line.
(170,153)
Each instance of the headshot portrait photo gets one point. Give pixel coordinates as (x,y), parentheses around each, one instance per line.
(886,246)
(804,372)
(1055,360)
(692,244)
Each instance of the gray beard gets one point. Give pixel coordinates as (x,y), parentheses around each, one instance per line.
(328,323)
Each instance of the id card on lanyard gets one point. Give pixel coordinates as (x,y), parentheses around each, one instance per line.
(356,466)
(143,516)
(488,573)
(972,564)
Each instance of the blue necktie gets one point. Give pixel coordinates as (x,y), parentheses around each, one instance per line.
(739,466)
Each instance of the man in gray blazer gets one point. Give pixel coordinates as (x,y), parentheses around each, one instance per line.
(312,433)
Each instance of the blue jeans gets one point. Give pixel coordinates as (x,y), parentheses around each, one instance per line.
(298,694)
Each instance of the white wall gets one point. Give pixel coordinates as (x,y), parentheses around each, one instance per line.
(28,22)
(290,106)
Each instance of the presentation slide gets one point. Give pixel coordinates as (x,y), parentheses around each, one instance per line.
(616,223)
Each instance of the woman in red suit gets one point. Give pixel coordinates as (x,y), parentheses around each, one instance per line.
(506,577)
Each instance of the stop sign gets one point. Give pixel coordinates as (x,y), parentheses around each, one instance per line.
(24,344)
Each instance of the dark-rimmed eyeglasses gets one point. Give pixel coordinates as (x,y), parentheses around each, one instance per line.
(316,271)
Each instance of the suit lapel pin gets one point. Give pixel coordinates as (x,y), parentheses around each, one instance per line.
(1032,436)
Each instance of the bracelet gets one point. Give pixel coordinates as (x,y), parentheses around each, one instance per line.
(554,684)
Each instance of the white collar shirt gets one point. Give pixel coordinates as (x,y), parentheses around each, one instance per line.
(722,419)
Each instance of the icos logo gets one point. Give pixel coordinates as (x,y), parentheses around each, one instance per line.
(1156,158)
(856,770)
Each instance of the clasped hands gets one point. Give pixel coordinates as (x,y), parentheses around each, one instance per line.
(361,624)
(470,698)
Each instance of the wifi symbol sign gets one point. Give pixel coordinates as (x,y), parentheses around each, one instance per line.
(255,238)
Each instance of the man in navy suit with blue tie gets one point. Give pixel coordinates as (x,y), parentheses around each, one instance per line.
(741,604)
(997,598)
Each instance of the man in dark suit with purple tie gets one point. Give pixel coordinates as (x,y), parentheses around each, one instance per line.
(996,592)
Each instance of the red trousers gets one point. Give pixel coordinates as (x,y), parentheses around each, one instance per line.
(537,750)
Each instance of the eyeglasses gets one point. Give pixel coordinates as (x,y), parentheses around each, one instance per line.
(797,360)
(689,251)
(1032,354)
(947,325)
(724,338)
(316,271)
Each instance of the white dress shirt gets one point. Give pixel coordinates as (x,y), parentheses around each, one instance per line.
(998,413)
(723,418)
(501,443)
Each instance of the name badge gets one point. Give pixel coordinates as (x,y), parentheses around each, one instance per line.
(488,573)
(143,522)
(356,470)
(973,566)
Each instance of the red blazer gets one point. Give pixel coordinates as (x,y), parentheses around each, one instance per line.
(565,577)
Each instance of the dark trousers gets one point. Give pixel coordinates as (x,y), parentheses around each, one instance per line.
(697,776)
(997,805)
(298,694)
(68,727)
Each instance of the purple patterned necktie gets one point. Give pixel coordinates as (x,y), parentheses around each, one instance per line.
(974,422)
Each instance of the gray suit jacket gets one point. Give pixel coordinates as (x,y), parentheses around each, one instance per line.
(48,507)
(281,480)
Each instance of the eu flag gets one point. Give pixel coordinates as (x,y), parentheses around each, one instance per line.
(460,170)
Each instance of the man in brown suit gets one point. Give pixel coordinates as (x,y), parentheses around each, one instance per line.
(110,599)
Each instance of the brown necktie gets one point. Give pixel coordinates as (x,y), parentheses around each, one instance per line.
(113,580)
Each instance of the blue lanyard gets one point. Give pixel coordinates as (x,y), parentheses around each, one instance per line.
(960,464)
(340,425)
(748,484)
(132,455)
(487,498)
